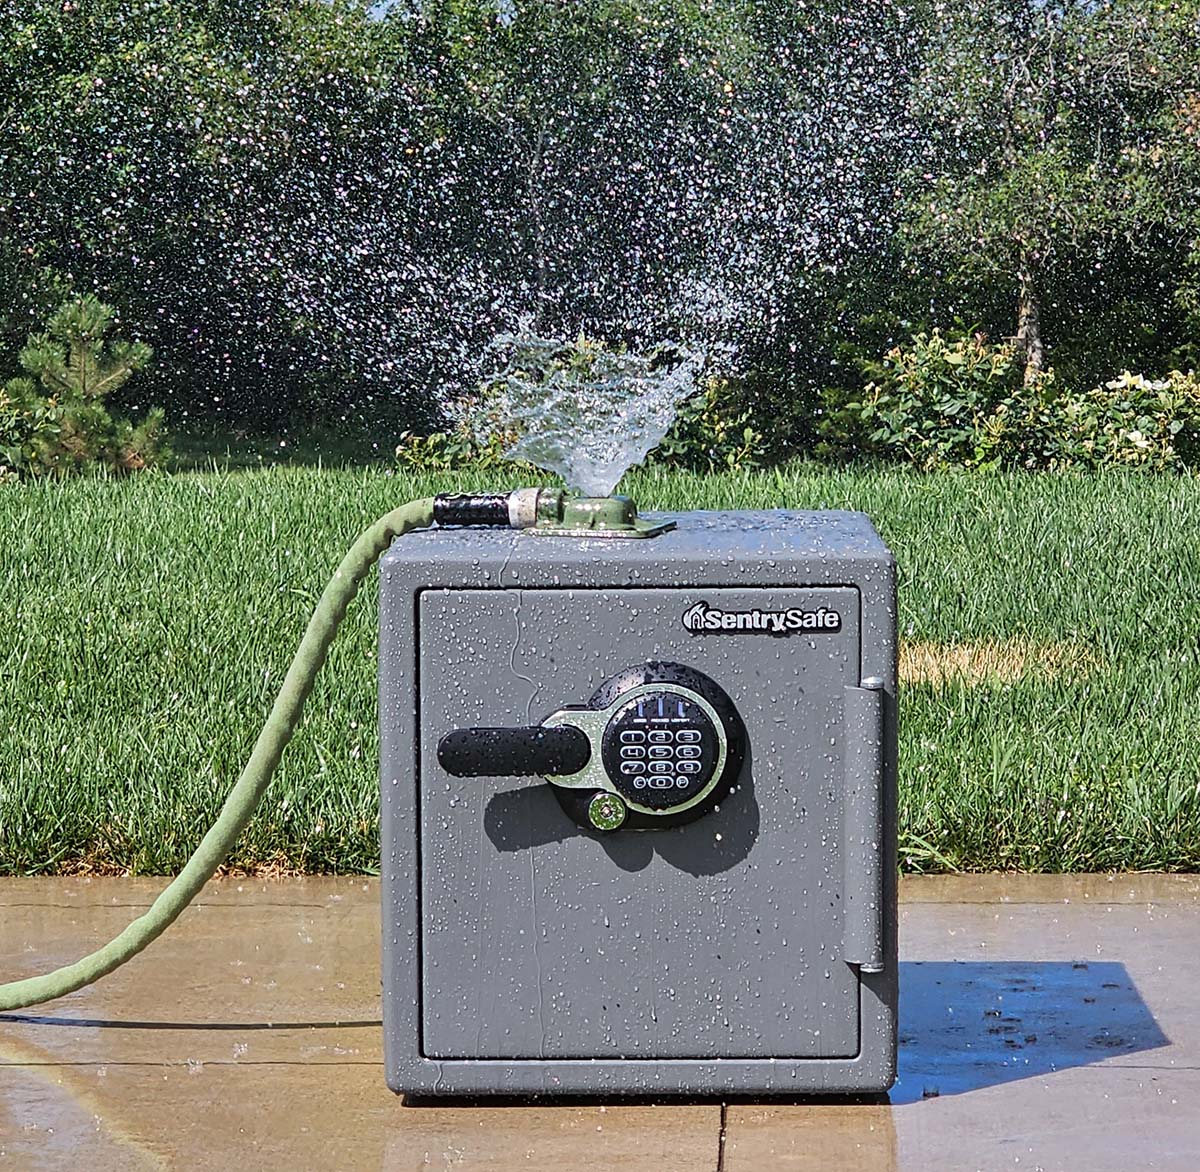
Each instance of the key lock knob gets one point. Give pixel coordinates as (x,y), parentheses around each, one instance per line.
(657,745)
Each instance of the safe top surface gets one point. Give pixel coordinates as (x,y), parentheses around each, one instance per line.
(727,536)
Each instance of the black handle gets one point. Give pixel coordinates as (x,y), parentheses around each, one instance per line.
(514,752)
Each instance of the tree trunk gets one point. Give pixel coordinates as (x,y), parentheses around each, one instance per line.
(1029,325)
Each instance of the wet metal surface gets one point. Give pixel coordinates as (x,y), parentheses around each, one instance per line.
(1046,1022)
(729,951)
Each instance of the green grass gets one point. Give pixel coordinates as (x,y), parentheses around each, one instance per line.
(145,626)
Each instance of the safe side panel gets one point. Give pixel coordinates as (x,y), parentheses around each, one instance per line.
(716,939)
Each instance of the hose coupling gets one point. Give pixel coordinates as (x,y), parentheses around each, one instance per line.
(520,509)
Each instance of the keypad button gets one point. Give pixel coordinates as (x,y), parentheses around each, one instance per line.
(661,767)
(629,768)
(688,766)
(689,750)
(661,782)
(661,750)
(639,783)
(661,736)
(688,736)
(682,782)
(632,737)
(632,751)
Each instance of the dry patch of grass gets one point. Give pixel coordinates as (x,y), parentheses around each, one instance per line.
(994,661)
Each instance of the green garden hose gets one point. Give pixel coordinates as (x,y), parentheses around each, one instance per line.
(268,749)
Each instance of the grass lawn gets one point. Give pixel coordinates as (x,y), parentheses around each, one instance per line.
(1052,651)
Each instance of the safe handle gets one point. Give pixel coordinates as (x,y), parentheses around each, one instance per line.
(514,752)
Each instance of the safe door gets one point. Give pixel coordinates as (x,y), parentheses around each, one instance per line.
(737,933)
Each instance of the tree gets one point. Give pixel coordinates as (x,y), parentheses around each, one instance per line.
(55,419)
(327,203)
(74,357)
(1046,125)
(158,153)
(679,169)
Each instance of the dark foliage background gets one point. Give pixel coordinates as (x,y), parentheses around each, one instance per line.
(325,209)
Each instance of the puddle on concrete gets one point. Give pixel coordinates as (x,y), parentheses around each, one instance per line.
(965,1025)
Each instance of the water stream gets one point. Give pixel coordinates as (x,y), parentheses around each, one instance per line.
(581,410)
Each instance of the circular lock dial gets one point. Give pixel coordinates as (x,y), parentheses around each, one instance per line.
(660,749)
(667,742)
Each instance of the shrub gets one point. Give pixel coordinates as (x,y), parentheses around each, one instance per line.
(54,420)
(1140,422)
(457,448)
(964,403)
(928,404)
(713,429)
(26,423)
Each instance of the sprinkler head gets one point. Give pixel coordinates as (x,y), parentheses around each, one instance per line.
(559,513)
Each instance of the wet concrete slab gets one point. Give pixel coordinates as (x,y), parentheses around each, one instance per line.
(1046,1022)
(298,1117)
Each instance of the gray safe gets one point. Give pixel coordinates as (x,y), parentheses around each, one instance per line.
(638,809)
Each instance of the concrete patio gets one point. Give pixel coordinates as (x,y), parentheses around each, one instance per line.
(1046,1023)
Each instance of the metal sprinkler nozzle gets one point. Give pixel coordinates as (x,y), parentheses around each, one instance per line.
(559,513)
